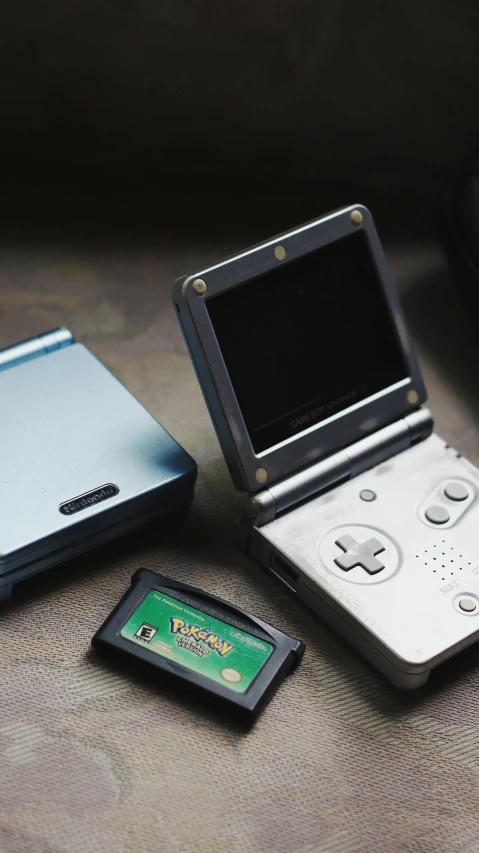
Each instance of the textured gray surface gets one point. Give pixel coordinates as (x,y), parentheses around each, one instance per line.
(94,759)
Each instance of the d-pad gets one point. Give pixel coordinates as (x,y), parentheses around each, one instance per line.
(359,554)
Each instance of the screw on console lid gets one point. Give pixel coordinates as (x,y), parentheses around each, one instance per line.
(356,217)
(199,286)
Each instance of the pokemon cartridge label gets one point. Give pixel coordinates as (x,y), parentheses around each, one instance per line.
(199,642)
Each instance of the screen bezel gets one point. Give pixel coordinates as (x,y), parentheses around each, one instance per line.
(337,431)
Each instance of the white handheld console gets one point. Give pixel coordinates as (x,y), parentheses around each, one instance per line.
(302,352)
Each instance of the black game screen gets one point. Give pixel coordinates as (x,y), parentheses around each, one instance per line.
(307,340)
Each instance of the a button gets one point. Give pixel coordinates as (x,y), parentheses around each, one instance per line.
(467,604)
(367,495)
(359,554)
(437,514)
(456,492)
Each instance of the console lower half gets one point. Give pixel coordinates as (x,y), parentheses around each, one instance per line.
(389,559)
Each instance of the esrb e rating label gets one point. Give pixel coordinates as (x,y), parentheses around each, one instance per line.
(146,632)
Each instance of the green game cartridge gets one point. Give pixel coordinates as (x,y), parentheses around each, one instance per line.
(186,634)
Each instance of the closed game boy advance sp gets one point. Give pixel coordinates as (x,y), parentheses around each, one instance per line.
(309,374)
(82,462)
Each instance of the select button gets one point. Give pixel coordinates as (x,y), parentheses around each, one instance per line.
(467,605)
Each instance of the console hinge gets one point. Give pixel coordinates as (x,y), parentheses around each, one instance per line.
(265,506)
(35,347)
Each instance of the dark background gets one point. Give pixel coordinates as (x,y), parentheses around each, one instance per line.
(205,115)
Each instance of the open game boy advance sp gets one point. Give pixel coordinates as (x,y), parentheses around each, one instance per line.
(309,374)
(82,462)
